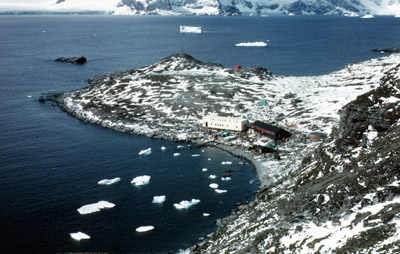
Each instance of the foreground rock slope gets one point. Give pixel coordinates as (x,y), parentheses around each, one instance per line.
(339,195)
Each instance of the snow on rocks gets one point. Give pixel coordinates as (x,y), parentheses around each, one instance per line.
(159,199)
(141,180)
(109,181)
(144,229)
(95,207)
(185,204)
(79,236)
(145,152)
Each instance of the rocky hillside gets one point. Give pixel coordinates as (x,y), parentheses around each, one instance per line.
(343,198)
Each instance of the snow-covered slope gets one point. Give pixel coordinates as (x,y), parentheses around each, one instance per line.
(213,7)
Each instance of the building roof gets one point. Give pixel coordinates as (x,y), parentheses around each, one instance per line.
(274,129)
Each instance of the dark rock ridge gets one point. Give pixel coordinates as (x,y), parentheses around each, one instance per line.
(72,60)
(388,50)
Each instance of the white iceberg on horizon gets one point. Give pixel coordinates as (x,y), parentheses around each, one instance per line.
(190,29)
(159,199)
(145,151)
(251,44)
(141,180)
(368,16)
(186,204)
(144,229)
(95,207)
(79,236)
(109,181)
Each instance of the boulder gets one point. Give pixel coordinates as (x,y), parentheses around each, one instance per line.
(72,60)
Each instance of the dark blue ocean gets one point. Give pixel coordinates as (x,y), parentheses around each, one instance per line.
(50,163)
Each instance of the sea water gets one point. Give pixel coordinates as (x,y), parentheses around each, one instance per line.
(51,163)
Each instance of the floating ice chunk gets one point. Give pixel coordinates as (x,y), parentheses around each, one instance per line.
(109,181)
(29,96)
(144,229)
(226,163)
(186,204)
(145,151)
(368,16)
(213,185)
(195,155)
(180,147)
(79,236)
(206,214)
(177,154)
(204,170)
(159,199)
(209,159)
(251,44)
(95,207)
(212,176)
(220,191)
(163,148)
(226,178)
(141,180)
(190,29)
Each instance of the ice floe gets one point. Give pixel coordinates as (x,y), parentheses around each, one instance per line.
(206,214)
(185,204)
(204,170)
(109,181)
(163,148)
(226,178)
(159,199)
(214,185)
(79,236)
(251,44)
(190,29)
(195,155)
(95,207)
(368,16)
(141,180)
(144,229)
(145,151)
(220,191)
(177,154)
(226,163)
(212,176)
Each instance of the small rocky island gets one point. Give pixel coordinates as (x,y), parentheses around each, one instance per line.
(72,60)
(340,194)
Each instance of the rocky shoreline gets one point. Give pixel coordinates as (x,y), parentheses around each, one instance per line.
(345,187)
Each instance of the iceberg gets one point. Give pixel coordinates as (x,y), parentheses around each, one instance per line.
(141,180)
(190,29)
(159,199)
(144,229)
(213,185)
(251,44)
(95,207)
(220,191)
(226,163)
(145,151)
(212,176)
(177,154)
(368,16)
(163,148)
(109,181)
(206,214)
(226,178)
(204,170)
(186,204)
(195,155)
(79,236)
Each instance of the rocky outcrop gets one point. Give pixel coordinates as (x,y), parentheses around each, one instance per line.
(72,60)
(388,50)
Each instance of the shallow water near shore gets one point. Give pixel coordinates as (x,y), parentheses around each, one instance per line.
(51,162)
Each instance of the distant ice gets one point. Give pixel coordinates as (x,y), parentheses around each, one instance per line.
(95,207)
(212,176)
(177,154)
(186,204)
(251,44)
(226,178)
(159,199)
(368,16)
(145,151)
(180,147)
(220,191)
(226,163)
(209,159)
(29,96)
(195,155)
(109,181)
(144,228)
(141,180)
(79,236)
(190,29)
(204,170)
(213,185)
(163,148)
(206,214)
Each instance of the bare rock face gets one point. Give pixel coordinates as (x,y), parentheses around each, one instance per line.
(72,60)
(388,50)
